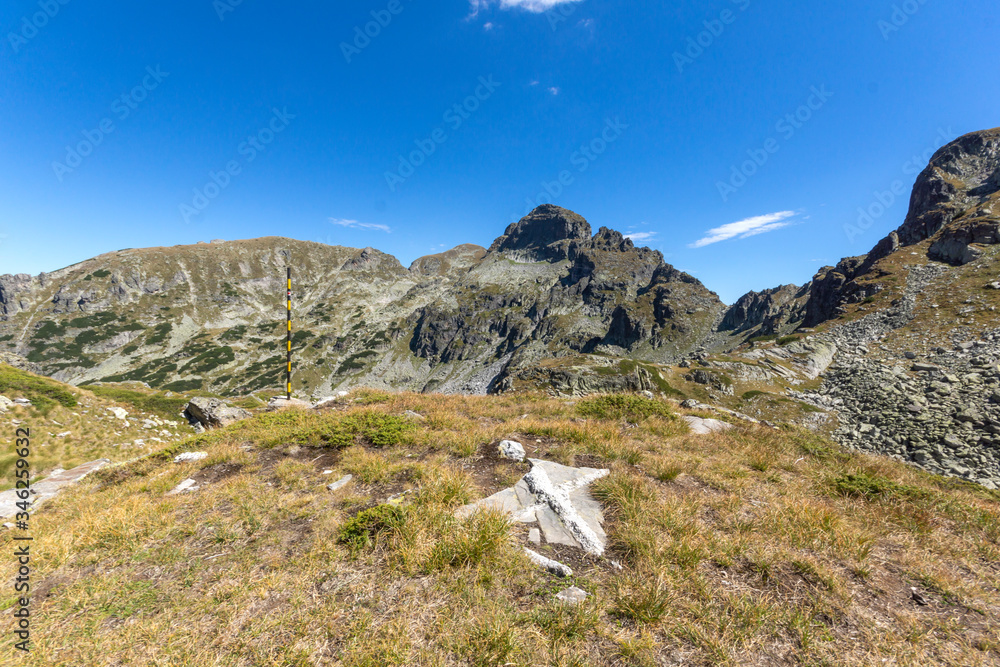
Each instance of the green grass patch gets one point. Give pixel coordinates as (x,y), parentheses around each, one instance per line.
(623,406)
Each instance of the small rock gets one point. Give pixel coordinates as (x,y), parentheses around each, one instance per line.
(415,416)
(910,355)
(187,486)
(918,598)
(187,457)
(340,483)
(923,368)
(535,536)
(647,394)
(327,472)
(119,413)
(64,434)
(701,426)
(572,595)
(22,401)
(549,565)
(512,450)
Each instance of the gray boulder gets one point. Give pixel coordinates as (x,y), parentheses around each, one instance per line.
(213,413)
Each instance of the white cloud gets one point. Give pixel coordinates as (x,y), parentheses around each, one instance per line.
(354,224)
(743,229)
(641,236)
(535,6)
(554,90)
(487,27)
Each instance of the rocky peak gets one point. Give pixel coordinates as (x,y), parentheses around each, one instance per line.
(547,233)
(962,178)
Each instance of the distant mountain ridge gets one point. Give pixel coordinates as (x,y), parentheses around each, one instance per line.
(210,316)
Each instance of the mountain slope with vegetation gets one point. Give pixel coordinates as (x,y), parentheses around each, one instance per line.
(755,546)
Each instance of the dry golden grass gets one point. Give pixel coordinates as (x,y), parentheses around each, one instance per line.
(752,547)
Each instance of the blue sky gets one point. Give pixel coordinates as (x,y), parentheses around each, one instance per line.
(738,137)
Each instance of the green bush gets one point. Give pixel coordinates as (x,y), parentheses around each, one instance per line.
(623,406)
(359,532)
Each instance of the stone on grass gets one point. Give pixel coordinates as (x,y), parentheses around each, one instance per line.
(340,483)
(556,498)
(5,403)
(119,413)
(572,595)
(48,487)
(549,565)
(187,486)
(513,450)
(535,536)
(700,426)
(187,457)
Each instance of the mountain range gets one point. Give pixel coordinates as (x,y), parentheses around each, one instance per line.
(209,316)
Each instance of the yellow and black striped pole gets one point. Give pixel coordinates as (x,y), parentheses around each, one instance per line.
(288,381)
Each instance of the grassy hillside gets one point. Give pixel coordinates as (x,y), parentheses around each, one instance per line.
(70,425)
(752,547)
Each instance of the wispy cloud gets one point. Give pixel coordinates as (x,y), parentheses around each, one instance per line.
(743,229)
(641,236)
(535,6)
(554,90)
(354,224)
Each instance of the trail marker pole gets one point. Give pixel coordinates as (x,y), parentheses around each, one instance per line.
(288,382)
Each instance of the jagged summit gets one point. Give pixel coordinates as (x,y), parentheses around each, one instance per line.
(546,233)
